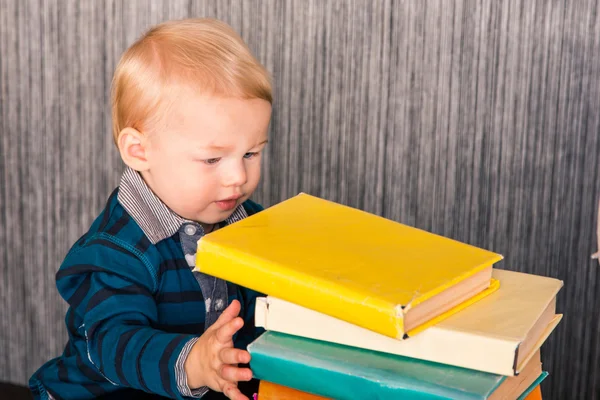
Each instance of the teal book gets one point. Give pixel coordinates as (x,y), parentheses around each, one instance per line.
(342,372)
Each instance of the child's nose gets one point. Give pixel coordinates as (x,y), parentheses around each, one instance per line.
(236,175)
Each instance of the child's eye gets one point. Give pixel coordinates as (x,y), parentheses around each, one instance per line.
(250,155)
(211,161)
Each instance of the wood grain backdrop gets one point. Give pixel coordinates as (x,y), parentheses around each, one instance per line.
(479,120)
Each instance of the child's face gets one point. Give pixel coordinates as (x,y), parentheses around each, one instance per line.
(206,160)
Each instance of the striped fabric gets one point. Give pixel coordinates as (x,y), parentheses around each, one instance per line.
(135,307)
(156,220)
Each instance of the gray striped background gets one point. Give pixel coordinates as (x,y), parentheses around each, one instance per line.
(479,120)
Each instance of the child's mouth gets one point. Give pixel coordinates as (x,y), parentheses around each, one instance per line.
(227,204)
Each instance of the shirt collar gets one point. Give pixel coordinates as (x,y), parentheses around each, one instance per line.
(156,220)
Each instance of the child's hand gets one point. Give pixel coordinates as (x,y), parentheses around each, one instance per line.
(213,360)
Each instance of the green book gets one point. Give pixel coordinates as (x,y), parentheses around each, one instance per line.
(342,372)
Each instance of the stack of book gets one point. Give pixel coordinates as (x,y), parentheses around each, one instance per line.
(361,307)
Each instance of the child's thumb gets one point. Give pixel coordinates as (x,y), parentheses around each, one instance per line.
(232,311)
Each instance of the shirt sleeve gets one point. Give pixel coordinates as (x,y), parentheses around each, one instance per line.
(181,376)
(110,291)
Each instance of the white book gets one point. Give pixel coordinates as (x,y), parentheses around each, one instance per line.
(498,334)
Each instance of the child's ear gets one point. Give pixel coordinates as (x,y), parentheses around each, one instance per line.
(133,148)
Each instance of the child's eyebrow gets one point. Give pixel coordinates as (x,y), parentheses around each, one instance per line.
(216,147)
(213,147)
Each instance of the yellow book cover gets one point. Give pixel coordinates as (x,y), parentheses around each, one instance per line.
(361,268)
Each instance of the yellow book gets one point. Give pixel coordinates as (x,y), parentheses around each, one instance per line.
(361,268)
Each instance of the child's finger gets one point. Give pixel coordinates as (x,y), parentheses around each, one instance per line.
(228,314)
(230,355)
(232,373)
(231,390)
(225,333)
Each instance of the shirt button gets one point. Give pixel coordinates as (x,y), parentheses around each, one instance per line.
(190,230)
(219,305)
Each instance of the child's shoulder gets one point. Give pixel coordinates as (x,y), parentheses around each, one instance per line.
(114,243)
(114,223)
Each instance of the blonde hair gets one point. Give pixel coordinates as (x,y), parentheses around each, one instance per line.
(206,55)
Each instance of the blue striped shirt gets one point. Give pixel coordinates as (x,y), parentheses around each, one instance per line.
(135,306)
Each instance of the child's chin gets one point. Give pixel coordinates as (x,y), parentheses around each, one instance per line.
(216,216)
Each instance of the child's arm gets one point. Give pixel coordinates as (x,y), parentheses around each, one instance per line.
(117,311)
(111,294)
